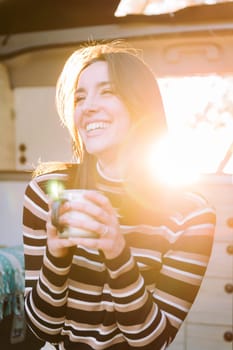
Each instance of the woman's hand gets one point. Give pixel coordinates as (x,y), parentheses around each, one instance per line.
(101,219)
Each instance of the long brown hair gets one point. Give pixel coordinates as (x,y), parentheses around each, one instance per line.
(132,78)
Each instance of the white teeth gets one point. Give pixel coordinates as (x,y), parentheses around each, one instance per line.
(96,125)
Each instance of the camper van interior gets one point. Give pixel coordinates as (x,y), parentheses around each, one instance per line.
(189,45)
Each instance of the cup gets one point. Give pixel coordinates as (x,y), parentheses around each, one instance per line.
(69,231)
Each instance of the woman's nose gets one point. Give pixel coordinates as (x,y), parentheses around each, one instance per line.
(89,105)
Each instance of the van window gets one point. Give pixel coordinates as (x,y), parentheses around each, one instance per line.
(199,113)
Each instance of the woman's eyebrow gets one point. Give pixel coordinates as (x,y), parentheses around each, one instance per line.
(76,91)
(103,83)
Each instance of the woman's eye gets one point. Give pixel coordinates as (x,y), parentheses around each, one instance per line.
(107,92)
(78,99)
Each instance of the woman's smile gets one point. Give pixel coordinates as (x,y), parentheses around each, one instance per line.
(93,126)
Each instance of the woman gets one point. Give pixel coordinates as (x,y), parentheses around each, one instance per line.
(132,286)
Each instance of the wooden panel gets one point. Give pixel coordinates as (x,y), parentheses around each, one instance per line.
(7,128)
(179,55)
(213,304)
(201,337)
(42,143)
(221,263)
(221,197)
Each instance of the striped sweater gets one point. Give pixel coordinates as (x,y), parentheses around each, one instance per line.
(135,301)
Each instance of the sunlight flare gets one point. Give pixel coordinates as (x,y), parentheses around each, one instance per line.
(174,162)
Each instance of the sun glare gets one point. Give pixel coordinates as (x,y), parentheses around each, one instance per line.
(54,189)
(173,162)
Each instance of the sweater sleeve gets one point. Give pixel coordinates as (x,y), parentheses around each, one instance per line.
(150,317)
(45,276)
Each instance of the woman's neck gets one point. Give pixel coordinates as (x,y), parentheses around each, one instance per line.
(114,171)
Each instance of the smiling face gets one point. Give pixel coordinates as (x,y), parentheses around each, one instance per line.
(101,117)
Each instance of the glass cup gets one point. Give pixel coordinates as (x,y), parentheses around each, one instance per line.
(69,231)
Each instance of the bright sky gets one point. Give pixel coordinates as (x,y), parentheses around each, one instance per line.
(155,7)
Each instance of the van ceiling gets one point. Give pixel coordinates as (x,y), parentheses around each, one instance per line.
(24,16)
